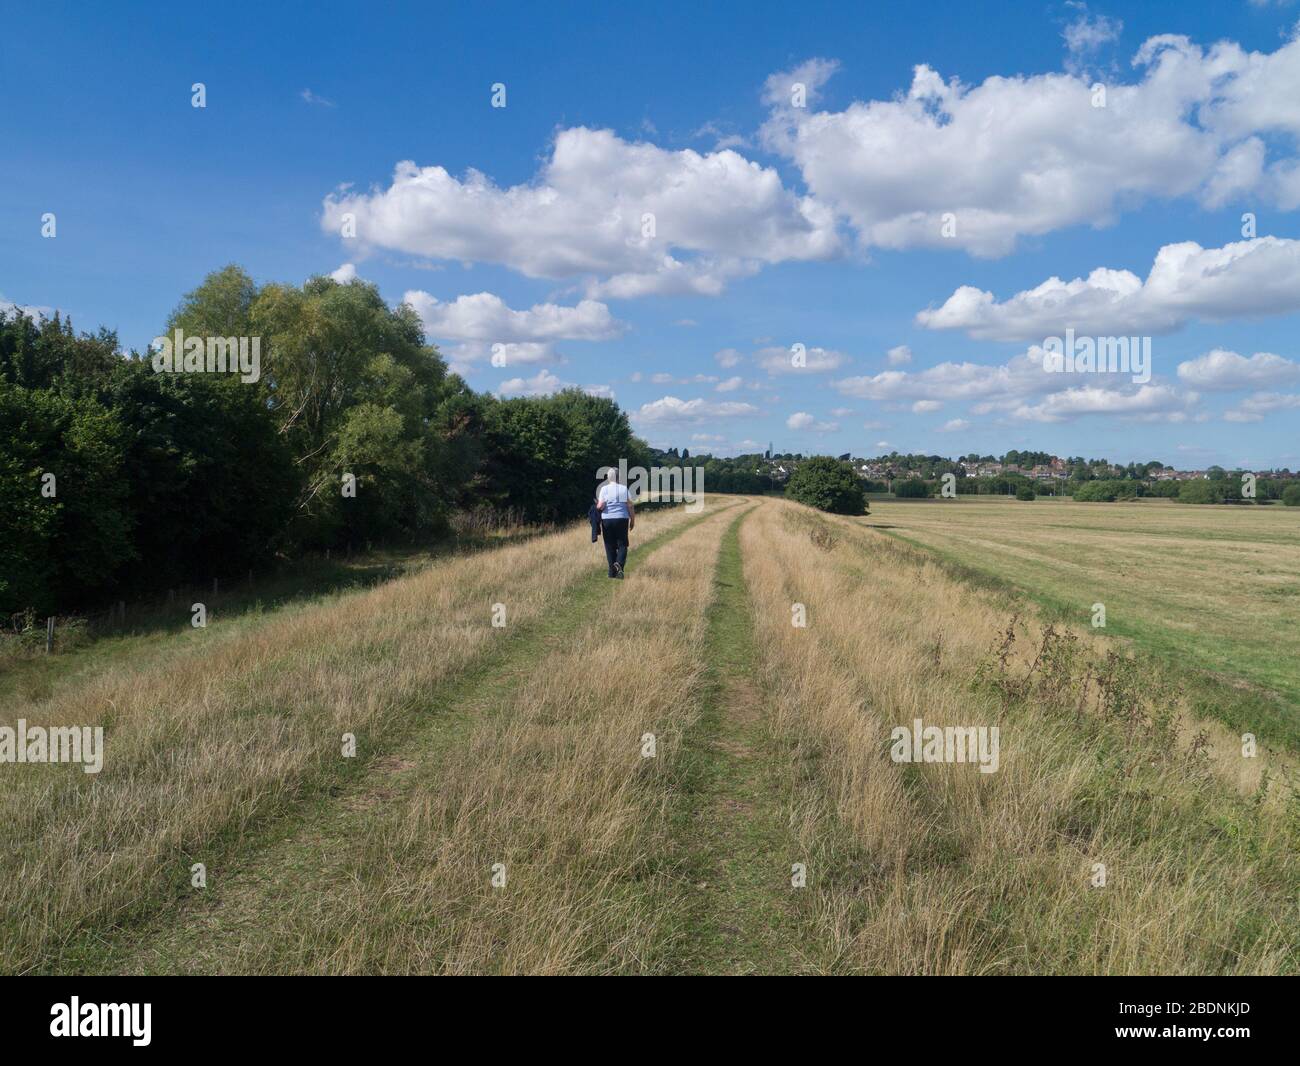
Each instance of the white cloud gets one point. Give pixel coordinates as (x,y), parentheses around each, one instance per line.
(1254,277)
(954,425)
(1020,376)
(802,420)
(484,316)
(728,357)
(33,311)
(730,385)
(311,98)
(670,409)
(816,360)
(482,325)
(811,75)
(1023,390)
(899,356)
(1087,34)
(1224,370)
(543,383)
(694,379)
(1147,402)
(346,273)
(1253,408)
(1021,155)
(717,216)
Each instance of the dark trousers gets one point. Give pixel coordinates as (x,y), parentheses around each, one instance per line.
(614,530)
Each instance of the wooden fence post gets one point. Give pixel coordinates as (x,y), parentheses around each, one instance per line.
(49,634)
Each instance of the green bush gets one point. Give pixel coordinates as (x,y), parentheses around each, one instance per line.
(911,489)
(1107,491)
(1201,490)
(1025,492)
(827,484)
(1291,495)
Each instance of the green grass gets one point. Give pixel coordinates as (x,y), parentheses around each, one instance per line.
(1207,593)
(734,848)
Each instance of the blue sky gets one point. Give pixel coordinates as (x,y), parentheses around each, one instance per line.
(819,225)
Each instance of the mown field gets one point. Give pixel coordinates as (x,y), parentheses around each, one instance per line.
(1212,590)
(660,775)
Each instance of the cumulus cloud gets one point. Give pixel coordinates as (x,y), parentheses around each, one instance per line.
(899,356)
(816,360)
(1022,375)
(954,425)
(485,316)
(346,273)
(728,357)
(632,218)
(671,410)
(1146,403)
(33,311)
(482,325)
(543,383)
(802,420)
(1253,408)
(1022,390)
(978,166)
(730,385)
(1224,370)
(1253,277)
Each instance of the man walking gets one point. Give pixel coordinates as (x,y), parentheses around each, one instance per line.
(617,518)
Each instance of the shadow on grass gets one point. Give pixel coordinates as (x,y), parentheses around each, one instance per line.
(80,639)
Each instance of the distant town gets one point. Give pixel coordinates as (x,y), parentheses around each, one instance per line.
(1040,472)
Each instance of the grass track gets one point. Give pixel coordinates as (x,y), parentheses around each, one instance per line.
(152,914)
(314,851)
(736,847)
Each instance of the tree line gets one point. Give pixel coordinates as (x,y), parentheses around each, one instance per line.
(117,479)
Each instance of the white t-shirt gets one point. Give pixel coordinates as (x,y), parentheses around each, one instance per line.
(614,497)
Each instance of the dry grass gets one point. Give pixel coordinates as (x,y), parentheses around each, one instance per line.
(231,729)
(523,747)
(939,869)
(542,772)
